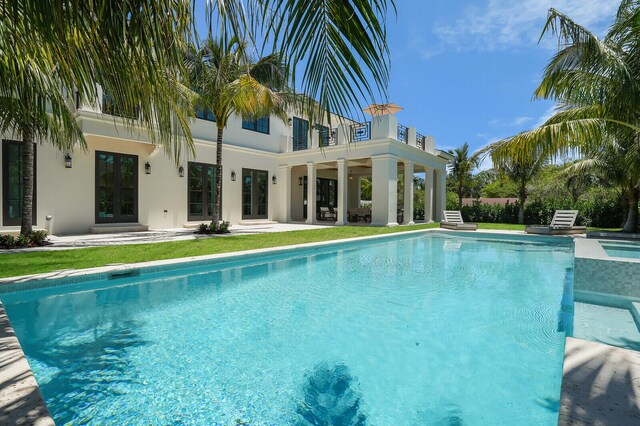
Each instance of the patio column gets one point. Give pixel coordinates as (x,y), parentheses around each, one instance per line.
(384,191)
(343,183)
(428,194)
(311,193)
(440,201)
(285,193)
(408,192)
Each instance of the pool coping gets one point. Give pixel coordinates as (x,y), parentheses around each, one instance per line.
(20,395)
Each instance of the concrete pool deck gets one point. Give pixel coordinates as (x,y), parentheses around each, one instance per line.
(601,384)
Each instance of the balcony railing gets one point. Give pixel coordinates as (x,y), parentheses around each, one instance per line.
(402,133)
(361,132)
(420,141)
(327,137)
(111,108)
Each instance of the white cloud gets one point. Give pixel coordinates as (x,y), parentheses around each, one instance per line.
(518,121)
(509,24)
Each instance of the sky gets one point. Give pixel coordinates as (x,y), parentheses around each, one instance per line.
(465,71)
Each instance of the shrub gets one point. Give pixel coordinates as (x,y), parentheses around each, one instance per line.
(39,238)
(7,241)
(22,241)
(223,227)
(203,228)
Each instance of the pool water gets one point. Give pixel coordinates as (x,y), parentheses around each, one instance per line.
(626,250)
(431,329)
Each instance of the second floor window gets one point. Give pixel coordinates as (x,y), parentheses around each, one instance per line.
(109,106)
(257,125)
(300,134)
(205,114)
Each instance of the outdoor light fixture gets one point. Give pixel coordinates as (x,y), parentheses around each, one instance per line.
(300,181)
(147,168)
(290,122)
(233,175)
(67,161)
(181,171)
(274,179)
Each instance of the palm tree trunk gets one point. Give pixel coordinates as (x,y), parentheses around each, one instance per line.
(522,198)
(217,203)
(632,217)
(26,225)
(459,198)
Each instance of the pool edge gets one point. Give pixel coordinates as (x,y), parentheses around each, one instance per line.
(20,399)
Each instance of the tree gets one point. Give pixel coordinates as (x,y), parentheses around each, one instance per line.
(227,82)
(461,171)
(52,50)
(597,85)
(521,171)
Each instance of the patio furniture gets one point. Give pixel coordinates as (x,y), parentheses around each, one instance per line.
(453,220)
(358,214)
(326,214)
(562,224)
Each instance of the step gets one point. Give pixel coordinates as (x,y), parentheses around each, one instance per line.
(111,228)
(257,222)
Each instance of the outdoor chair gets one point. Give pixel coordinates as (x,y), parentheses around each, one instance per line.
(563,223)
(326,214)
(453,220)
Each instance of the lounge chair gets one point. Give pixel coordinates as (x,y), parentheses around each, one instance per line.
(326,214)
(453,220)
(562,224)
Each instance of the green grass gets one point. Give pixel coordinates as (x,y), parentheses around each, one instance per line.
(24,263)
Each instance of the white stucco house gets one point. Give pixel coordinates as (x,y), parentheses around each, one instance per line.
(273,171)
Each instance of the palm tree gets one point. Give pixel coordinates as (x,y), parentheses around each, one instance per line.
(461,171)
(521,172)
(132,49)
(597,86)
(228,82)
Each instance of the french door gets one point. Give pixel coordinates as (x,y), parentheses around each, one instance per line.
(202,189)
(116,187)
(255,188)
(12,185)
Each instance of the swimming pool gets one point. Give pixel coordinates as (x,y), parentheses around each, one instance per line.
(429,329)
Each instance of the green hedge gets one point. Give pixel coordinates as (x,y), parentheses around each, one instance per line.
(597,212)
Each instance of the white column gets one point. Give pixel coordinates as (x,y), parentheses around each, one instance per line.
(343,183)
(311,193)
(285,193)
(408,193)
(385,191)
(428,195)
(440,196)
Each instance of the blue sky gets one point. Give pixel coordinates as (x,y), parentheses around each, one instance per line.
(465,71)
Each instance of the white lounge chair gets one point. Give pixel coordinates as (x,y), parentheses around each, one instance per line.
(453,220)
(326,214)
(562,224)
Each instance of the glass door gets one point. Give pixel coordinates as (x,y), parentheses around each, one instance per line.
(12,187)
(116,188)
(255,188)
(202,189)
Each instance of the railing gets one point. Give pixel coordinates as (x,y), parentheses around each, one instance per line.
(420,141)
(361,131)
(111,108)
(327,137)
(300,143)
(402,133)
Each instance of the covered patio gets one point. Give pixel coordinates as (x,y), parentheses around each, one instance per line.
(330,191)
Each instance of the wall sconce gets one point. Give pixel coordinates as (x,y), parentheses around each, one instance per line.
(147,168)
(300,181)
(290,122)
(233,176)
(67,161)
(274,179)
(181,171)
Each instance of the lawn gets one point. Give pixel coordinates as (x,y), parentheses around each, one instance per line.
(24,263)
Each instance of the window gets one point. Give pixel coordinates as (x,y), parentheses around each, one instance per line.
(116,187)
(205,113)
(201,189)
(12,186)
(109,106)
(324,135)
(300,134)
(260,125)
